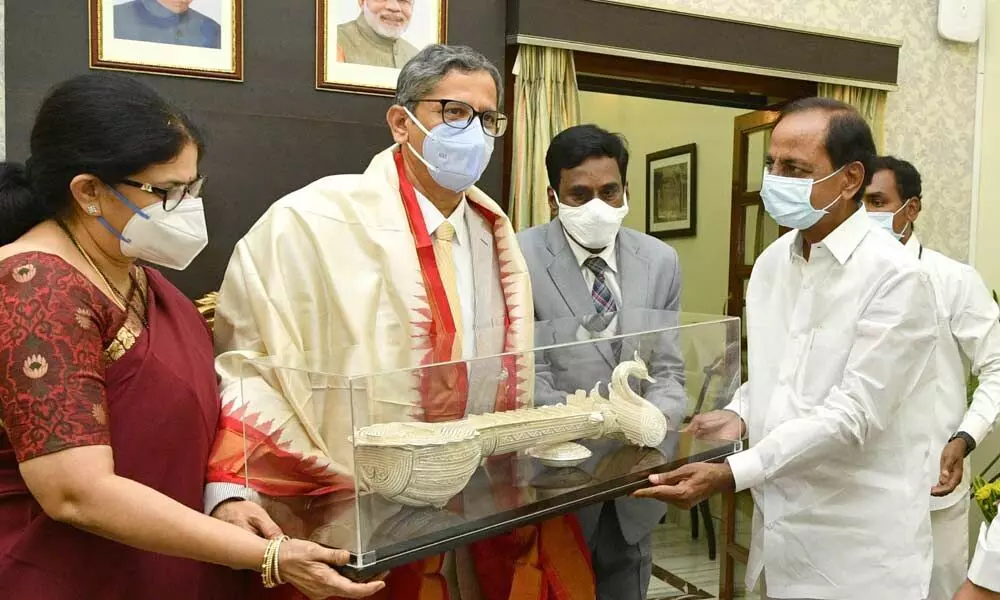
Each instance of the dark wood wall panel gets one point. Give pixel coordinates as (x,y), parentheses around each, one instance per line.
(267,136)
(682,35)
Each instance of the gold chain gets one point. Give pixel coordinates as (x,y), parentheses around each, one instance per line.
(116,295)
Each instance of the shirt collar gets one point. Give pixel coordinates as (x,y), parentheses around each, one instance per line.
(159,11)
(433,217)
(582,254)
(842,241)
(913,245)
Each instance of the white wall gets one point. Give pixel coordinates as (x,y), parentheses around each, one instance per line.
(988,221)
(652,125)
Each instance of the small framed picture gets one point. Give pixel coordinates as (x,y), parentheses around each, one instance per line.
(671,192)
(185,38)
(362,44)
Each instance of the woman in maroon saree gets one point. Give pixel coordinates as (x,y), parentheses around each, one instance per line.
(108,397)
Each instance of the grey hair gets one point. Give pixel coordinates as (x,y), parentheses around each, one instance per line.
(432,64)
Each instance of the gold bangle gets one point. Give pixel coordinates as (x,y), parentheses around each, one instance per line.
(276,561)
(269,568)
(265,567)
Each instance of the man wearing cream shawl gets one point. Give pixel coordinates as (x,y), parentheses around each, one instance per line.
(406,264)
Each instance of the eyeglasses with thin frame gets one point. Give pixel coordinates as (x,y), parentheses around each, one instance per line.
(171,197)
(459,115)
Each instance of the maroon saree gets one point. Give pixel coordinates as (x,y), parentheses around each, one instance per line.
(73,372)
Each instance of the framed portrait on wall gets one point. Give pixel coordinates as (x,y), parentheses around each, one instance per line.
(187,38)
(671,192)
(362,44)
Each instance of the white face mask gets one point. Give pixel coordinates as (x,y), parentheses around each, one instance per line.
(884,220)
(594,224)
(789,200)
(170,239)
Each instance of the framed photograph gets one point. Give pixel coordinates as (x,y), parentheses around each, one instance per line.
(671,192)
(362,44)
(185,38)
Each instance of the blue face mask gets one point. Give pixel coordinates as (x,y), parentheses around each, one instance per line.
(787,200)
(455,158)
(884,220)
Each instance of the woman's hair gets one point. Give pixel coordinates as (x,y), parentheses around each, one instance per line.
(103,124)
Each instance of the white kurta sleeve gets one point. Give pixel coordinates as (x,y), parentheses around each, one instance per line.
(975,324)
(894,339)
(984,570)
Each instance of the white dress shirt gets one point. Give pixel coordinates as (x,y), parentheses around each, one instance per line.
(610,257)
(461,250)
(984,570)
(835,405)
(969,334)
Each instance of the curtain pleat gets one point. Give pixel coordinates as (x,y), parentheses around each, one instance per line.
(547,101)
(869,102)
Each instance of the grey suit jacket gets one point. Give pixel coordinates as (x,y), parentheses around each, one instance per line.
(485,374)
(650,281)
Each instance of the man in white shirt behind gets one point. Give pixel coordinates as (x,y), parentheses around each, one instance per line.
(841,330)
(983,582)
(968,333)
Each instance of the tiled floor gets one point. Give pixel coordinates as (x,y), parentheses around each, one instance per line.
(684,564)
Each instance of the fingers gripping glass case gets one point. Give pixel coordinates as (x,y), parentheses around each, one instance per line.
(393,457)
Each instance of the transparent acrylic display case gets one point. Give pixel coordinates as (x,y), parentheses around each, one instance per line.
(393,457)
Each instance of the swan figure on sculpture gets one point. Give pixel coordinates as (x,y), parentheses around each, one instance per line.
(426,464)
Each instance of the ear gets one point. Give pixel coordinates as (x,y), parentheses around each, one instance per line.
(87,191)
(913,209)
(854,178)
(553,205)
(397,118)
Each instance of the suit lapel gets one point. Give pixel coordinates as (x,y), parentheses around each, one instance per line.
(568,279)
(565,272)
(634,269)
(634,272)
(483,276)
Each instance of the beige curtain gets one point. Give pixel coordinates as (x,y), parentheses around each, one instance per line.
(870,103)
(547,101)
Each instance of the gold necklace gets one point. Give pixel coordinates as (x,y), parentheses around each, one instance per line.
(116,296)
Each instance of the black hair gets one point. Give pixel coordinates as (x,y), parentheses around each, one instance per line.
(848,137)
(104,124)
(907,177)
(571,147)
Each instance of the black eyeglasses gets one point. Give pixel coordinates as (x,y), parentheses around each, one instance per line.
(171,197)
(459,115)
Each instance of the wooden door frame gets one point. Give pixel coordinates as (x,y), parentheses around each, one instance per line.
(743,126)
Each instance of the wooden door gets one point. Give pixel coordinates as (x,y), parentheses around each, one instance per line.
(752,230)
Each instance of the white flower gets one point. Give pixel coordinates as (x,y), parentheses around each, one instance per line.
(83,317)
(24,273)
(36,366)
(99,413)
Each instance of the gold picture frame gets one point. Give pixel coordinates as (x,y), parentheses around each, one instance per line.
(203,39)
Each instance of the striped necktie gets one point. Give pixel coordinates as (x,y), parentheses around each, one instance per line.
(604,300)
(604,303)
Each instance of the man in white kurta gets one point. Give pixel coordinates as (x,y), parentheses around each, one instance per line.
(841,329)
(983,582)
(968,335)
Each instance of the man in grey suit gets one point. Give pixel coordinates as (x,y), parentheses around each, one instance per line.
(584,265)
